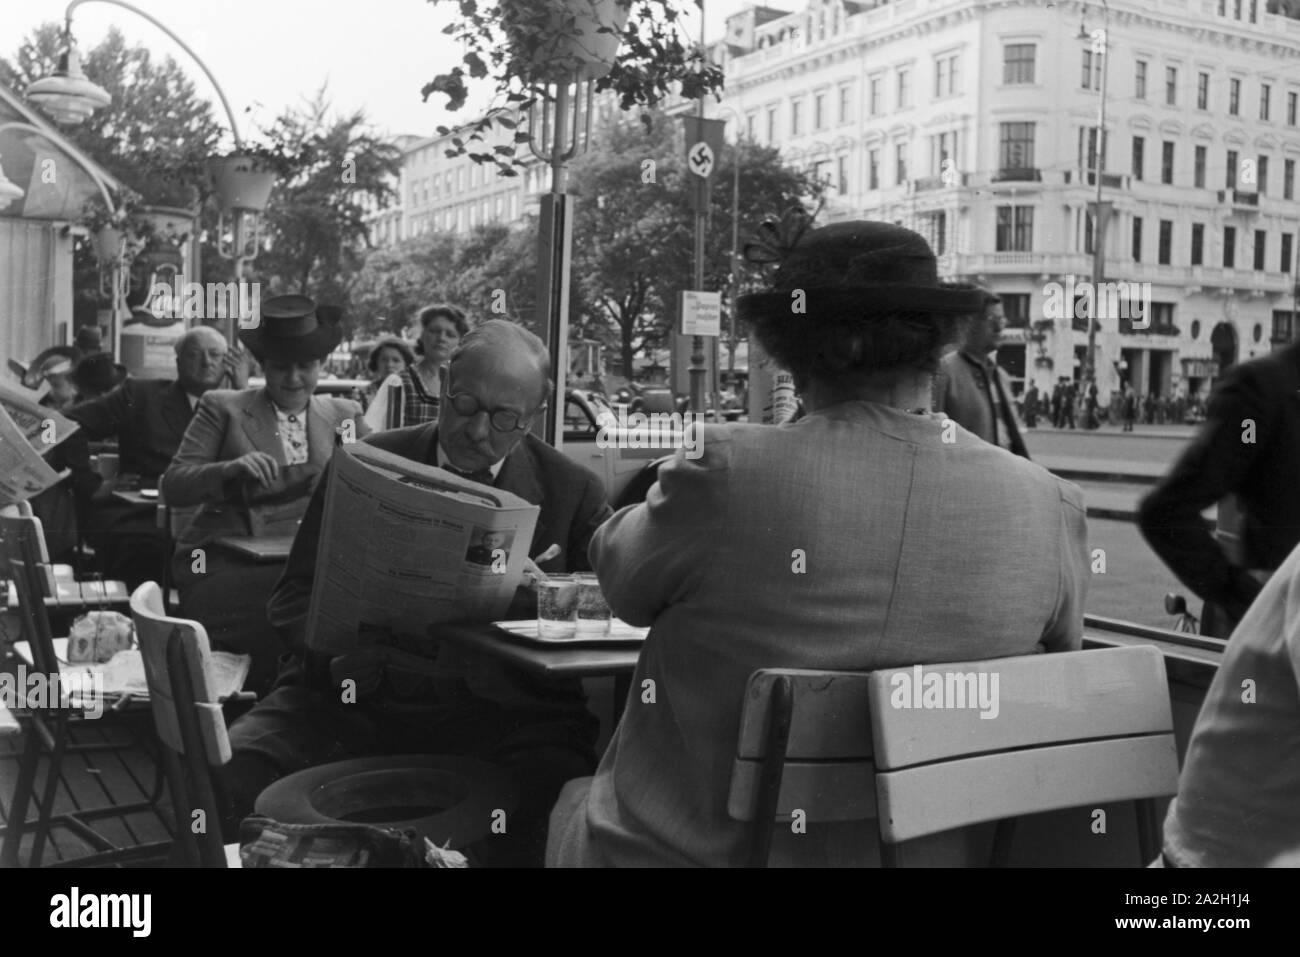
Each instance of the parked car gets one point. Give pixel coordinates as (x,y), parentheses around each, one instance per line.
(627,473)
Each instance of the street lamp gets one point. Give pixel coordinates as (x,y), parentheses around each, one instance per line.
(735,240)
(1100,40)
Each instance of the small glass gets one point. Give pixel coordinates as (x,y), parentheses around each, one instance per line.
(593,611)
(557,608)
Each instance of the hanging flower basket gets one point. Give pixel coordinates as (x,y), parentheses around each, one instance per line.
(555,39)
(110,243)
(242,181)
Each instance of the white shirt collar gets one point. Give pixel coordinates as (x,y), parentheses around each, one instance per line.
(193,400)
(444,461)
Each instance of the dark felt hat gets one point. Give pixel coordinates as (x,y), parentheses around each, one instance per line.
(98,373)
(850,272)
(48,362)
(294,329)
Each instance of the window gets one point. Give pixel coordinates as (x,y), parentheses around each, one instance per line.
(771,125)
(1202,91)
(1286,252)
(460,179)
(900,163)
(1091,70)
(945,75)
(1166,162)
(1198,244)
(1288,179)
(1229,247)
(819,111)
(874,98)
(1137,239)
(1166,242)
(1017,146)
(1018,63)
(1291,102)
(821,171)
(943,147)
(846,101)
(934,227)
(1265,92)
(1199,168)
(795,117)
(751,126)
(1230,173)
(1015,229)
(842,174)
(1087,233)
(873,169)
(1281,326)
(1234,97)
(1261,175)
(903,91)
(1139,144)
(1088,149)
(1171,85)
(1015,309)
(1261,241)
(1140,80)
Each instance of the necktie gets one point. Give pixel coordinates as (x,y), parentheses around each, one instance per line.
(482,476)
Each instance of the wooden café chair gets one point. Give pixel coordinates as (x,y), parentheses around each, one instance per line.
(187,712)
(49,729)
(60,588)
(1073,729)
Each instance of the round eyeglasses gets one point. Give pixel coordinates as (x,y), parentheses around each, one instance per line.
(502,420)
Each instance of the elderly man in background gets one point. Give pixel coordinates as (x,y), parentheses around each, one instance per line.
(495,384)
(971,387)
(148,419)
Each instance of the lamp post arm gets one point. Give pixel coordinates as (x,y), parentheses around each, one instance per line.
(76,155)
(230,114)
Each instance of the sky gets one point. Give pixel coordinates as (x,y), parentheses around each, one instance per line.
(271,54)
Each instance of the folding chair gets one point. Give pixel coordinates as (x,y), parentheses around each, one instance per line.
(1073,729)
(189,721)
(48,728)
(61,589)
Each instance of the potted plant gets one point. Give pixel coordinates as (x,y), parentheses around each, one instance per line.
(637,48)
(112,230)
(244,177)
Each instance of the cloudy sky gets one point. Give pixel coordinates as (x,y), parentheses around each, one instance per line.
(267,54)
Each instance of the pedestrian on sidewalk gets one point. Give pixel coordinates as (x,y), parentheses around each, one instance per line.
(1031,406)
(1068,400)
(1130,407)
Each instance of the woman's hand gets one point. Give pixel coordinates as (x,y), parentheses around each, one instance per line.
(257,466)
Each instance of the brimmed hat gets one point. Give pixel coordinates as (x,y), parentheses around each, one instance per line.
(50,361)
(98,373)
(293,329)
(850,272)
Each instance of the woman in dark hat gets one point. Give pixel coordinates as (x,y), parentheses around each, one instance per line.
(97,374)
(249,462)
(869,534)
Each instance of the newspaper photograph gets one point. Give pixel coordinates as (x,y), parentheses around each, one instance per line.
(405,545)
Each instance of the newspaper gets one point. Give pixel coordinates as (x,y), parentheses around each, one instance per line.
(43,426)
(405,545)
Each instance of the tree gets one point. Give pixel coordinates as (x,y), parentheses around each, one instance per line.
(315,222)
(634,227)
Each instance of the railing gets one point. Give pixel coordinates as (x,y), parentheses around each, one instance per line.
(1018,174)
(1088,177)
(1240,199)
(928,183)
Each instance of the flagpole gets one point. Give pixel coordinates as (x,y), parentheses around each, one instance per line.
(701,196)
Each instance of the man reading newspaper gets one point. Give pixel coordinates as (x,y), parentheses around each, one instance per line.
(495,384)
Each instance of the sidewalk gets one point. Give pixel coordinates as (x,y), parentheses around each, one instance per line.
(1139,431)
(1078,468)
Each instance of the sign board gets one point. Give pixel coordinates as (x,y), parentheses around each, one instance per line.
(701,313)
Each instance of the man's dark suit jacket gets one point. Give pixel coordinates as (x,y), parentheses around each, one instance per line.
(147,416)
(1263,474)
(573,506)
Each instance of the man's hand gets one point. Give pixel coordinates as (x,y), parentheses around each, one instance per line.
(237,364)
(533,573)
(259,466)
(364,666)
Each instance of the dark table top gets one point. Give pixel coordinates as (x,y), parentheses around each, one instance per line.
(550,660)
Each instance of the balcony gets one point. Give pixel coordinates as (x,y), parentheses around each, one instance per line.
(929,183)
(1018,174)
(1240,200)
(1088,177)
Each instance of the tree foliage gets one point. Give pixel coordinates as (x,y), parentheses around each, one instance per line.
(634,241)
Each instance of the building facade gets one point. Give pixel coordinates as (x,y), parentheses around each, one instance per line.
(974,122)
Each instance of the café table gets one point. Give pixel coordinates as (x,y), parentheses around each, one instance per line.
(552,660)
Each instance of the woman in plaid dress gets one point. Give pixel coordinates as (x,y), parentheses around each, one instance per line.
(441,329)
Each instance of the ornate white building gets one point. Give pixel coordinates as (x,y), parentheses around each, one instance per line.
(973,121)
